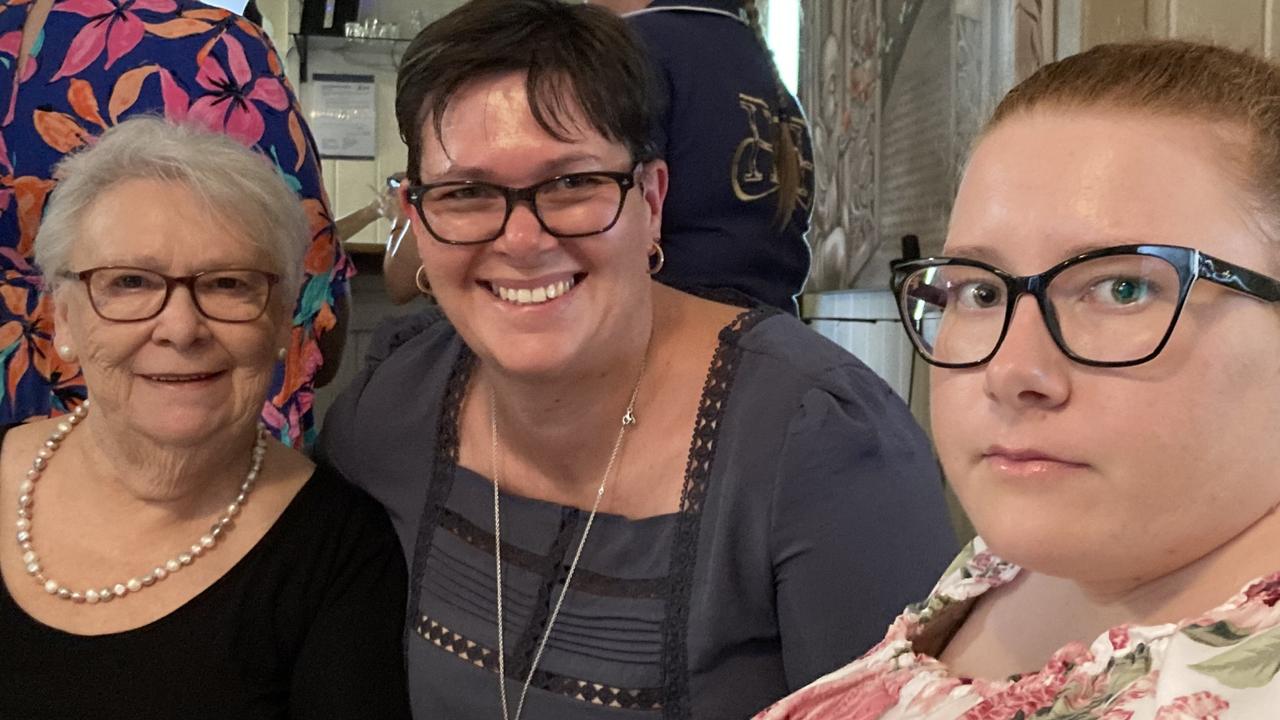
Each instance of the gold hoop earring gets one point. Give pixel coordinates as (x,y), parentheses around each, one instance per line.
(662,258)
(420,280)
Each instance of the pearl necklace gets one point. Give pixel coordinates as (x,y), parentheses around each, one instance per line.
(628,419)
(26,493)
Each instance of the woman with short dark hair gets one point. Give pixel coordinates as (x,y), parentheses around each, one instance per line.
(622,499)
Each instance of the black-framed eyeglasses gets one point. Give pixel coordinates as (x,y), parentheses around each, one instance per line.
(567,206)
(130,294)
(1114,307)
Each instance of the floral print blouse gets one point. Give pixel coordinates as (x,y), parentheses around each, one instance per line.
(96,63)
(1220,666)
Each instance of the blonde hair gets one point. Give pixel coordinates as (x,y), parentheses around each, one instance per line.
(1172,78)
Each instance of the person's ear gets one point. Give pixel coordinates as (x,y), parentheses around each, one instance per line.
(653,187)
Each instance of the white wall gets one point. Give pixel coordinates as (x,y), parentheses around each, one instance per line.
(351,183)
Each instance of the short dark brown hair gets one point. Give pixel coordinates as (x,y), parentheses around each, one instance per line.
(572,54)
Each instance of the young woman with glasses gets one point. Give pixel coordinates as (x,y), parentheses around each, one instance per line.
(1105,335)
(618,500)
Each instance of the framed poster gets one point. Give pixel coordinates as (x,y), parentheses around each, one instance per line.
(344,116)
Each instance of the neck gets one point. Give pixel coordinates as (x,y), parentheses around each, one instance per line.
(188,481)
(540,418)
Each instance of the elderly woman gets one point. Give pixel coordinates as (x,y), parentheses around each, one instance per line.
(619,500)
(1105,332)
(168,557)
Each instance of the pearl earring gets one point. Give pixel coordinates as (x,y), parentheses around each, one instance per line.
(282,353)
(66,353)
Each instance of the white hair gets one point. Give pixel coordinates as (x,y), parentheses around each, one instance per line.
(237,185)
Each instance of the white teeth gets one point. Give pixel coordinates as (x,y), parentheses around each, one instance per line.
(179,378)
(533,296)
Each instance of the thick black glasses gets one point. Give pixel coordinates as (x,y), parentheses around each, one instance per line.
(567,206)
(1113,307)
(129,294)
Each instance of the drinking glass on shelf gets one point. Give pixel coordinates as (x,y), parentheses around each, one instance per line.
(417,20)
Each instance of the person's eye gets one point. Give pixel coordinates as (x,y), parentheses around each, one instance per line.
(125,282)
(228,283)
(578,182)
(1121,291)
(978,295)
(463,193)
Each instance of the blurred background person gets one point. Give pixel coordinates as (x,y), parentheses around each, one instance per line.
(170,559)
(1104,329)
(400,262)
(619,499)
(75,68)
(401,266)
(738,147)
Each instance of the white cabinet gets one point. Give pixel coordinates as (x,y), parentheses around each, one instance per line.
(865,322)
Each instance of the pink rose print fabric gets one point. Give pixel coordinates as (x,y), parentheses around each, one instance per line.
(1220,666)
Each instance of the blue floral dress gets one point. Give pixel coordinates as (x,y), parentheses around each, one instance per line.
(96,63)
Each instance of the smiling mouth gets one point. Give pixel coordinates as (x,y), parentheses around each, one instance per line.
(535,295)
(181,378)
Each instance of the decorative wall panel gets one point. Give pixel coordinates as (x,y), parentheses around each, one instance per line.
(896,92)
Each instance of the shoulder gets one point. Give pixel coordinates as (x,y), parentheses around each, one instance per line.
(342,516)
(784,352)
(207,29)
(669,33)
(678,20)
(373,432)
(408,333)
(412,351)
(330,496)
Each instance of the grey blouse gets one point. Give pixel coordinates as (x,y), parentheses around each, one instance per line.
(812,512)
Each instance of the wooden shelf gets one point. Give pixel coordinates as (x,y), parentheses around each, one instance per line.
(364,248)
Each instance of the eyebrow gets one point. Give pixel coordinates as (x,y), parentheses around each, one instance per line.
(550,168)
(991,256)
(153,265)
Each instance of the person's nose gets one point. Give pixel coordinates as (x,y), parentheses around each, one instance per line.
(524,237)
(1028,371)
(180,322)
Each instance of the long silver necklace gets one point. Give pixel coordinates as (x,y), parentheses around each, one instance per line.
(93,596)
(628,419)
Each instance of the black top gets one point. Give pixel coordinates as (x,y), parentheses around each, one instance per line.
(811,514)
(308,624)
(719,111)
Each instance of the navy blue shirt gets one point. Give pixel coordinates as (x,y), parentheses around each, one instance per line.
(812,513)
(716,126)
